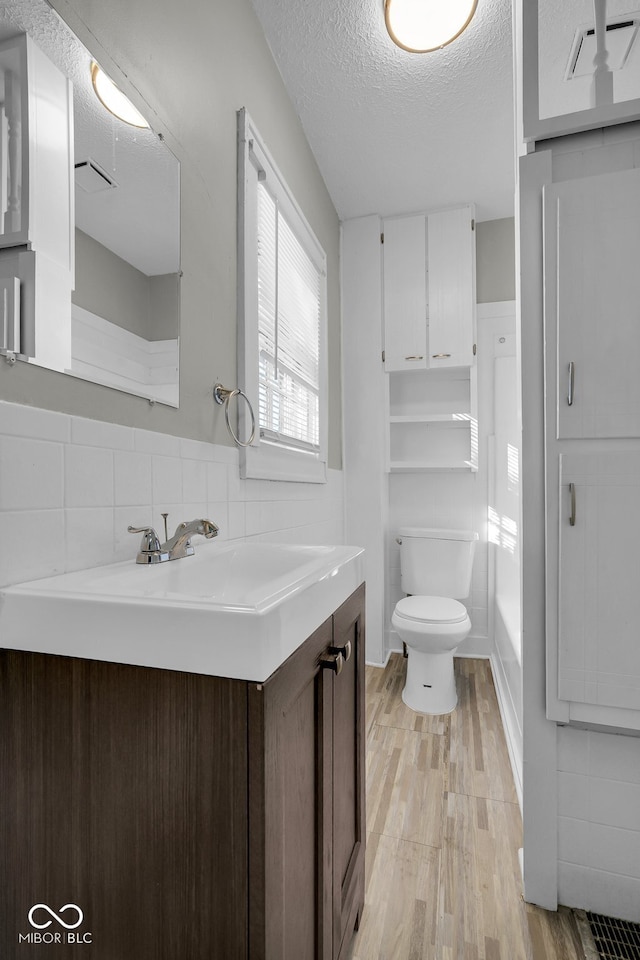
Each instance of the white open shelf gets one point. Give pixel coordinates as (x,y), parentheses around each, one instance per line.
(431,424)
(450,419)
(425,466)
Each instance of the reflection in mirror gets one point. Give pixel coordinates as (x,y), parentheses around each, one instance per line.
(114,197)
(588,55)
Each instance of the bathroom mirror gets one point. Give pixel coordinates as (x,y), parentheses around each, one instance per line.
(580,65)
(125,225)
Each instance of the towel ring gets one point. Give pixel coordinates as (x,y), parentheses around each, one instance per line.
(222,395)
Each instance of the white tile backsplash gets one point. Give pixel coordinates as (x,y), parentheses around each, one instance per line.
(31,473)
(132,478)
(97,433)
(166,479)
(88,476)
(69,487)
(614,757)
(607,893)
(20,421)
(32,544)
(599,822)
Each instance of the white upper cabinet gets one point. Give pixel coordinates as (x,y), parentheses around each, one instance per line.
(592,284)
(451,241)
(405,305)
(37,138)
(429,290)
(36,204)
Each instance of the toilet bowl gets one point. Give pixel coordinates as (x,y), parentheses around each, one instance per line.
(432,628)
(432,623)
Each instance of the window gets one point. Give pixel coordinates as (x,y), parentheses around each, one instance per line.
(282,322)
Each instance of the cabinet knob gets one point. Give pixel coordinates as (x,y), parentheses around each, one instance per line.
(414,357)
(440,356)
(344,650)
(332,661)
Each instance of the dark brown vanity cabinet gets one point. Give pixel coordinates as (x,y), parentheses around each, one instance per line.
(155,815)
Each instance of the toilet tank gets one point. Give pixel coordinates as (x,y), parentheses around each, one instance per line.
(436,563)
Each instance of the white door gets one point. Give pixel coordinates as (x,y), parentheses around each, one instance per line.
(592,303)
(451,242)
(599,579)
(404,257)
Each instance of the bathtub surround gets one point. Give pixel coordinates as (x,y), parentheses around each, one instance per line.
(69,487)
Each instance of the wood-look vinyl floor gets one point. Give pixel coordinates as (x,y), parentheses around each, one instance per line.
(443,823)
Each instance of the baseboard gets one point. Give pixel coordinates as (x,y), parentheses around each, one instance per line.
(512,735)
(374,663)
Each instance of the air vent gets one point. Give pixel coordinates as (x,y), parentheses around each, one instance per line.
(614,939)
(620,37)
(91,178)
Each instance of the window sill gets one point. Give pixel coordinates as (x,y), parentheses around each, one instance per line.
(268,461)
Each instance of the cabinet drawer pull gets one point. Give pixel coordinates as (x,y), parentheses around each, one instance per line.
(440,356)
(572,494)
(571,383)
(344,650)
(414,357)
(332,661)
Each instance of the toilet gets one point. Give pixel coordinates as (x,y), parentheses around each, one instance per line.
(435,568)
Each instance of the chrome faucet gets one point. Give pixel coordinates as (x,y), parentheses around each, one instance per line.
(180,543)
(178,546)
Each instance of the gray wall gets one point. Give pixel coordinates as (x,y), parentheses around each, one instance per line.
(193,65)
(495,260)
(111,288)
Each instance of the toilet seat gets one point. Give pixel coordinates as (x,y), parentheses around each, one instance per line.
(432,610)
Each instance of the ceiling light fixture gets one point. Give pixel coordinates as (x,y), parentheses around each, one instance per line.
(421,26)
(114,100)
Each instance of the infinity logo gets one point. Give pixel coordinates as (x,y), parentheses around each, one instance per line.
(47,923)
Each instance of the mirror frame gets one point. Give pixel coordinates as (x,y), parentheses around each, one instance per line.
(533,126)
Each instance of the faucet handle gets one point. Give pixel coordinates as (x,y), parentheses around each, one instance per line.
(150,549)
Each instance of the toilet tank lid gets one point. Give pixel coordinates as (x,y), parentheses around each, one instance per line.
(433,534)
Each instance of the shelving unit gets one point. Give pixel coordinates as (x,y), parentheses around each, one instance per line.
(432,421)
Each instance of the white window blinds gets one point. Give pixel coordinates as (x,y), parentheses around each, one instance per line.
(289,325)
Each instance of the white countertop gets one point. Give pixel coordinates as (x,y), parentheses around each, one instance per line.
(232,610)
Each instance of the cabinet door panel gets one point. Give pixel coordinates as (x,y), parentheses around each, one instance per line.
(592,312)
(124,792)
(451,288)
(598,652)
(405,293)
(348,774)
(290,808)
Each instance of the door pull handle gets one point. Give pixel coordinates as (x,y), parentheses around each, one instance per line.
(572,494)
(571,383)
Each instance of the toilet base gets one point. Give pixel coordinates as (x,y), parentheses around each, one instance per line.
(430,686)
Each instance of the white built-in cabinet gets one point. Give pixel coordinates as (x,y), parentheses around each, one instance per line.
(592,333)
(36,205)
(429,340)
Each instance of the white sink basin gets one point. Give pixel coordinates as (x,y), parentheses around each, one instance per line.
(232,610)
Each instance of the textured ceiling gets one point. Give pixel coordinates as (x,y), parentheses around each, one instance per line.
(395,132)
